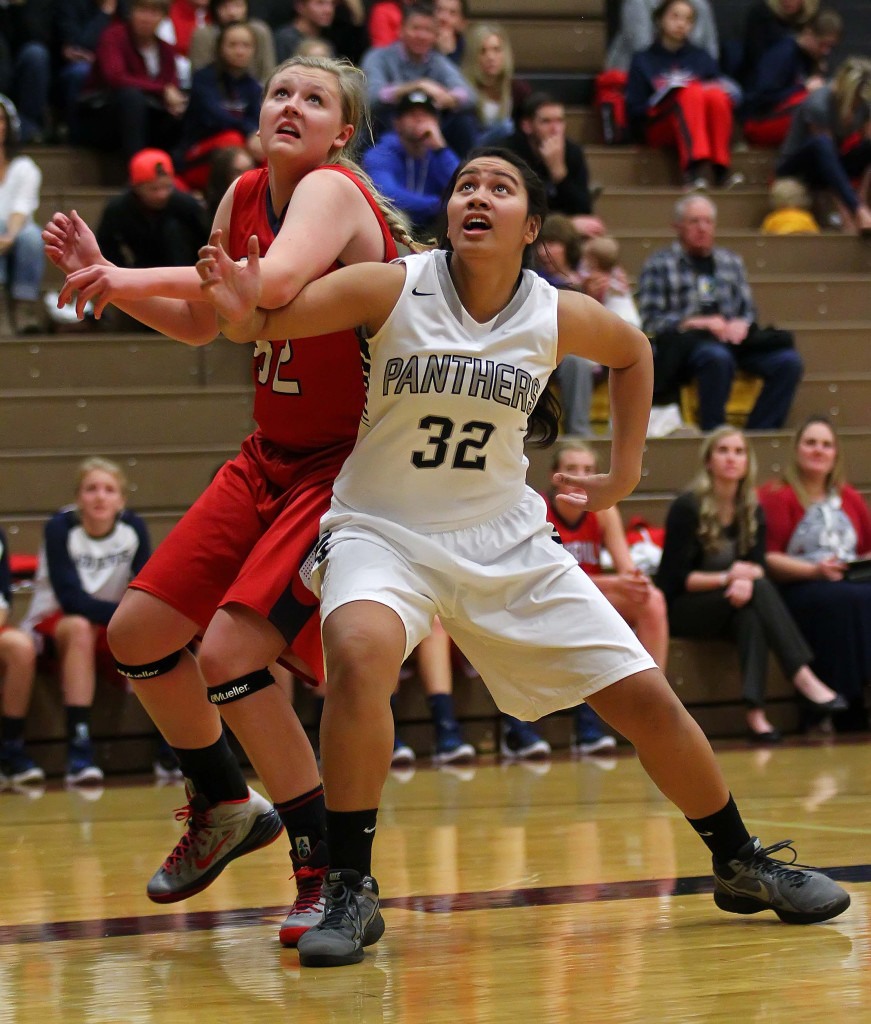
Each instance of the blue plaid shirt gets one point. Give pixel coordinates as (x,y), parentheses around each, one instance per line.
(667,292)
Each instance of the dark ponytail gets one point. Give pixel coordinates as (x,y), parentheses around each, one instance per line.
(544,420)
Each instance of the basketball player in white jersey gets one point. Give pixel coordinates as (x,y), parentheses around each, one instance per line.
(431,515)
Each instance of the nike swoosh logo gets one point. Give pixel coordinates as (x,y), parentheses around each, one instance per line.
(750,887)
(414,291)
(369,831)
(204,862)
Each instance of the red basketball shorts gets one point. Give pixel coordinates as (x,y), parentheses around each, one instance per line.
(246,541)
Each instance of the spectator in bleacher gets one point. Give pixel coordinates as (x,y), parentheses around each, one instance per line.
(790,70)
(629,590)
(413,64)
(790,209)
(312,21)
(677,97)
(451,19)
(488,66)
(17,667)
(636,32)
(560,163)
(413,164)
(341,24)
(152,223)
(224,107)
(769,21)
(132,97)
(204,42)
(22,259)
(605,279)
(697,307)
(559,251)
(26,38)
(829,142)
(433,658)
(91,552)
(817,525)
(227,165)
(713,575)
(80,23)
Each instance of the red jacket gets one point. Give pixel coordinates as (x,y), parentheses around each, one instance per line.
(783,513)
(119,65)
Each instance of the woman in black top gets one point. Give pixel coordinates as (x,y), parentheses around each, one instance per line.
(713,578)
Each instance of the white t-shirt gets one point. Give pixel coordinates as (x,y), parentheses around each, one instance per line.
(19,190)
(441,441)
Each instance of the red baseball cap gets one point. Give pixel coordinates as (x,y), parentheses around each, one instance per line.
(149,165)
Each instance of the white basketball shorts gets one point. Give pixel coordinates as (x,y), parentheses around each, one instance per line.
(514,601)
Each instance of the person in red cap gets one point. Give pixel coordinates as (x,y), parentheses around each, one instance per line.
(152,223)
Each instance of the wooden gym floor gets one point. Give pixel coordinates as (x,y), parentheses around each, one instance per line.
(569,891)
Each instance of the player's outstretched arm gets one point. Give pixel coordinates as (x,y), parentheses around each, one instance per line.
(587,329)
(167,299)
(360,295)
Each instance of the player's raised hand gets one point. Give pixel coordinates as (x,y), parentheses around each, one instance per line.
(232,288)
(70,244)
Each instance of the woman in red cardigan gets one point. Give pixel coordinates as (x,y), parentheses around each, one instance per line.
(132,98)
(817,524)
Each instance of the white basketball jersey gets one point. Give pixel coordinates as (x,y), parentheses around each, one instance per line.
(102,565)
(441,439)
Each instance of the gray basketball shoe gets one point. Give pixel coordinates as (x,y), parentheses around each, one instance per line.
(352,920)
(216,834)
(754,881)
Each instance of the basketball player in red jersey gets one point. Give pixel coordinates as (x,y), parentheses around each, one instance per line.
(233,570)
(584,534)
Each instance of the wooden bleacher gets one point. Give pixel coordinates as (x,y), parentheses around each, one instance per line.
(171,414)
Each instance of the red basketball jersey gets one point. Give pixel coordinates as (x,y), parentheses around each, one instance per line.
(583,541)
(308,394)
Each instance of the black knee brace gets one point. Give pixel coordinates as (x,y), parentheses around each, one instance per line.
(236,689)
(152,669)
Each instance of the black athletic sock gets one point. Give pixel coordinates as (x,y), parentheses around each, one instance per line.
(78,722)
(213,771)
(305,819)
(349,836)
(441,707)
(11,729)
(724,833)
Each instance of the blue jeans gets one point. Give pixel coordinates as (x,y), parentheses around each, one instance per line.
(713,365)
(819,164)
(22,267)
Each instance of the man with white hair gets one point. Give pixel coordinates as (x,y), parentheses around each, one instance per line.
(696,306)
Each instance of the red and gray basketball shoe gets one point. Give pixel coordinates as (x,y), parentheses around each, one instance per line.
(216,834)
(308,907)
